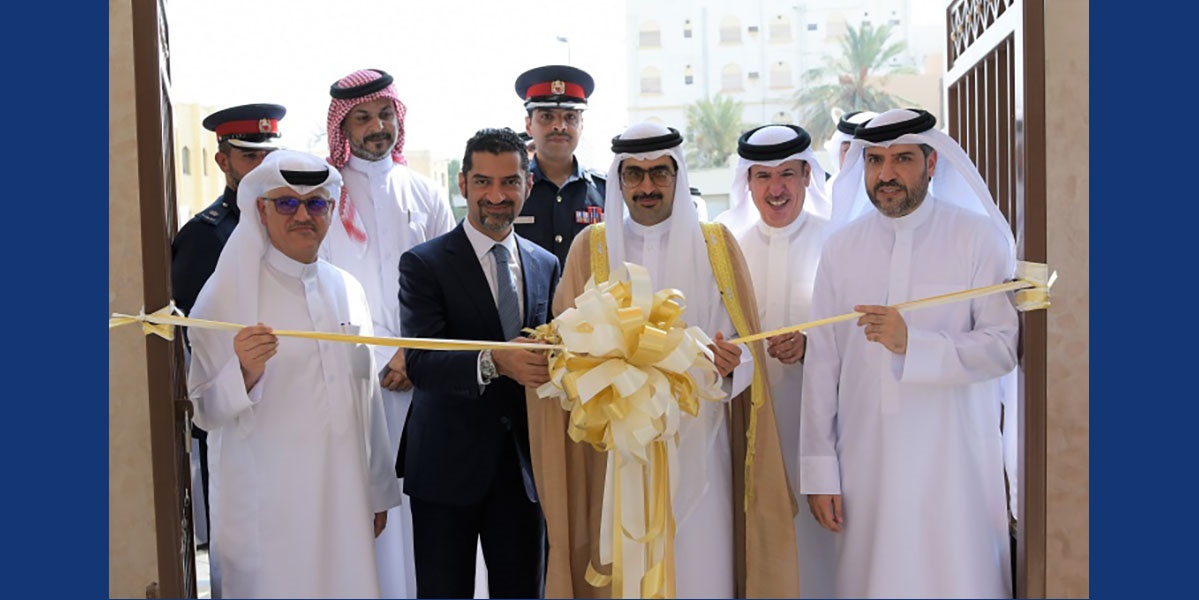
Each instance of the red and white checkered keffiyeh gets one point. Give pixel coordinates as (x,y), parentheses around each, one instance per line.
(339,144)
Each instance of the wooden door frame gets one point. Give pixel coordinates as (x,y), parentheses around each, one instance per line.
(169,409)
(975,29)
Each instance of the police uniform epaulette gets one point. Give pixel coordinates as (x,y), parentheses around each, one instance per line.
(215,212)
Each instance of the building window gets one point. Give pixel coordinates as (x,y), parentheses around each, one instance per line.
(651,35)
(730,30)
(730,78)
(780,29)
(688,75)
(687,28)
(780,75)
(651,81)
(186,158)
(812,27)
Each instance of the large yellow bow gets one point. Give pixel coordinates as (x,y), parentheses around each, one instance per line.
(629,369)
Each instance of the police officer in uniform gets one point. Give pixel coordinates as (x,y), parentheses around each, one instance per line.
(566,197)
(245,135)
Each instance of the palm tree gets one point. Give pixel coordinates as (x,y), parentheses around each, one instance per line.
(854,81)
(713,126)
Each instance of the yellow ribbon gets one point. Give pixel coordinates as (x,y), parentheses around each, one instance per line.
(629,369)
(164,331)
(626,367)
(1032,284)
(162,323)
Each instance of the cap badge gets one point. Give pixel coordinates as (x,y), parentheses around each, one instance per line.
(264,125)
(558,87)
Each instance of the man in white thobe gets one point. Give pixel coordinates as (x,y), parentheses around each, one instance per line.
(386,208)
(774,211)
(664,237)
(900,444)
(304,478)
(719,550)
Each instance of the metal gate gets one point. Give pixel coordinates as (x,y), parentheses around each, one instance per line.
(995,90)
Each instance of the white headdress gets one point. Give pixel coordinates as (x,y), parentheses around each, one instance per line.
(771,146)
(690,270)
(846,125)
(231,294)
(956,180)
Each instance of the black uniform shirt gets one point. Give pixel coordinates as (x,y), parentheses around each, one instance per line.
(196,247)
(553,216)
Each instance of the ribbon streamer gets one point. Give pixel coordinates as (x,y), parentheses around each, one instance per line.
(1032,284)
(164,331)
(630,370)
(162,323)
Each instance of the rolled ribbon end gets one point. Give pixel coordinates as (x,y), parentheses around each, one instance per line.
(163,330)
(1038,296)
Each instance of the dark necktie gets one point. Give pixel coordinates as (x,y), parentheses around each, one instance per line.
(506,297)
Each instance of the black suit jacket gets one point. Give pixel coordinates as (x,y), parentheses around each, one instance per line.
(454,436)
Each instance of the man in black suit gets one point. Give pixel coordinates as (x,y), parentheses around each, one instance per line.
(464,455)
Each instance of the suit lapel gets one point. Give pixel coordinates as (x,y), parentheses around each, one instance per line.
(531,286)
(474,281)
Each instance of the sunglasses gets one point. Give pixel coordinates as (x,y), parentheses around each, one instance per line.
(288,205)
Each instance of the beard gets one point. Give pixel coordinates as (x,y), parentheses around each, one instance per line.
(361,149)
(497,222)
(234,179)
(903,205)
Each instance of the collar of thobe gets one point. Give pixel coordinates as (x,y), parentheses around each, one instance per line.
(648,231)
(786,230)
(778,258)
(916,218)
(371,168)
(380,199)
(352,206)
(899,287)
(289,267)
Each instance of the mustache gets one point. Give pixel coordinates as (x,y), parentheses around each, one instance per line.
(554,136)
(649,196)
(889,184)
(382,136)
(502,204)
(302,225)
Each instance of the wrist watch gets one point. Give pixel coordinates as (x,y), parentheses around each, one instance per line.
(487,367)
